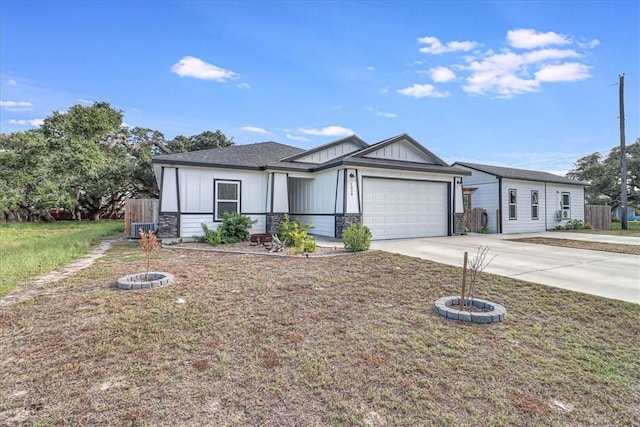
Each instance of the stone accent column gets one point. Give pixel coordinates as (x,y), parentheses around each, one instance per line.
(343,221)
(274,222)
(168,225)
(458,224)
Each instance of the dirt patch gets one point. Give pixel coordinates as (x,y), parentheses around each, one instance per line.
(251,248)
(289,341)
(581,244)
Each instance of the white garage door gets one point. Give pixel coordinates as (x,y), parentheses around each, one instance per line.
(398,208)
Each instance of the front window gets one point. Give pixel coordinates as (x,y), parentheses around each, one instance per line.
(534,204)
(227,197)
(566,205)
(513,203)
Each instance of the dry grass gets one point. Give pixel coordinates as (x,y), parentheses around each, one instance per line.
(348,340)
(581,244)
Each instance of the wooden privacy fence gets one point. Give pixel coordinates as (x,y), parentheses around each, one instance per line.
(139,210)
(473,220)
(599,216)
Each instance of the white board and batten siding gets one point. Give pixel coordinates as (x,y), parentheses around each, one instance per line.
(329,153)
(196,191)
(401,150)
(314,200)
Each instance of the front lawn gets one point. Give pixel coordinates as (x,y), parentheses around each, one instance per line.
(346,340)
(32,249)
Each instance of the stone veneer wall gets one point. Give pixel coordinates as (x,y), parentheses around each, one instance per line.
(274,222)
(344,221)
(458,224)
(168,225)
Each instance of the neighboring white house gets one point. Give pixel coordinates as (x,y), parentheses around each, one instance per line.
(396,187)
(521,201)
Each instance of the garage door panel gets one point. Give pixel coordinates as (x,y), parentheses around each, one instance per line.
(403,208)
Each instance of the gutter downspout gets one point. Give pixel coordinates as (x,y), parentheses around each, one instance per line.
(500,204)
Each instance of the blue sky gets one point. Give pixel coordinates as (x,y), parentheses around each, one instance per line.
(522,84)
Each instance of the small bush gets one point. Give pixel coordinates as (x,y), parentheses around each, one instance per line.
(235,227)
(212,237)
(356,238)
(309,244)
(293,233)
(484,230)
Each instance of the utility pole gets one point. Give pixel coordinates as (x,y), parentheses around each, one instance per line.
(623,161)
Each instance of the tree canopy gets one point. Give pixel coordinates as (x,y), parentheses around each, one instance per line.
(604,175)
(85,161)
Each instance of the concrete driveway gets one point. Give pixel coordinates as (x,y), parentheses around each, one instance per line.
(605,274)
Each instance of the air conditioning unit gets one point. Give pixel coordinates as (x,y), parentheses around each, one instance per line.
(558,215)
(145,226)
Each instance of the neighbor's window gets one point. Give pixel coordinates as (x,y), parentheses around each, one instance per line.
(227,197)
(566,205)
(513,197)
(534,204)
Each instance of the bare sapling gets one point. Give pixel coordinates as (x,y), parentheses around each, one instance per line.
(475,268)
(148,243)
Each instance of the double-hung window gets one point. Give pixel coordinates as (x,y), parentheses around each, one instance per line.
(227,197)
(565,205)
(513,203)
(534,204)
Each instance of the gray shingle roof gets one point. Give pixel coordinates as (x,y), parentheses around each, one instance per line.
(249,156)
(521,174)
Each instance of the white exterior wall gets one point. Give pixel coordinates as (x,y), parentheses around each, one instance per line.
(323,225)
(524,223)
(314,196)
(196,189)
(554,194)
(329,153)
(401,150)
(280,193)
(191,225)
(486,195)
(169,197)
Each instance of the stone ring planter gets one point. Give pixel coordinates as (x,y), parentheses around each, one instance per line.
(491,312)
(153,279)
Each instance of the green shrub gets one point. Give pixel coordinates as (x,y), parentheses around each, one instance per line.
(356,238)
(212,237)
(484,230)
(292,233)
(309,244)
(235,227)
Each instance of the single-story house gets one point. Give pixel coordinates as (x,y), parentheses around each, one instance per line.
(521,201)
(396,187)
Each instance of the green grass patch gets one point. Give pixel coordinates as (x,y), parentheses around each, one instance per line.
(631,226)
(32,249)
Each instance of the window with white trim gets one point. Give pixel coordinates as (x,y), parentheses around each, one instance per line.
(534,204)
(513,203)
(565,205)
(226,197)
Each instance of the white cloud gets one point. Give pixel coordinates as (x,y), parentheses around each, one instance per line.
(246,86)
(567,72)
(297,138)
(12,83)
(190,66)
(588,45)
(435,46)
(16,105)
(381,114)
(384,89)
(22,122)
(327,131)
(422,91)
(442,74)
(255,129)
(525,38)
(370,68)
(84,101)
